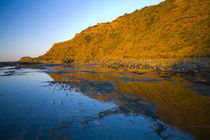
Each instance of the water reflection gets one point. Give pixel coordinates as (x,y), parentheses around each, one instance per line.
(87,102)
(126,104)
(177,105)
(134,94)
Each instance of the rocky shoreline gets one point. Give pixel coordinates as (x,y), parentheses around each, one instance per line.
(153,65)
(189,68)
(175,65)
(195,70)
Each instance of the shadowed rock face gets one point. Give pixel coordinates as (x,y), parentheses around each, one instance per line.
(168,99)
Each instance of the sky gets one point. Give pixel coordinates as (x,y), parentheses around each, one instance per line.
(31,27)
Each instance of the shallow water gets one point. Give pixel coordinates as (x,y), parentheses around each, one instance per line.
(87,102)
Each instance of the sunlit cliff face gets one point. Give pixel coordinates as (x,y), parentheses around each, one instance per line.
(169,99)
(171,29)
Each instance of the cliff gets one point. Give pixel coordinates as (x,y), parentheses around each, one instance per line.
(171,29)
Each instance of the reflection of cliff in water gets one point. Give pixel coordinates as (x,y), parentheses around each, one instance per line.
(135,95)
(177,105)
(127,104)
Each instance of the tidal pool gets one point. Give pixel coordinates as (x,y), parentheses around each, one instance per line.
(88,102)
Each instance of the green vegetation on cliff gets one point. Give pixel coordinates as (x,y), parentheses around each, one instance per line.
(171,29)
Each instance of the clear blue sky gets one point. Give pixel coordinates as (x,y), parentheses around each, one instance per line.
(31,27)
